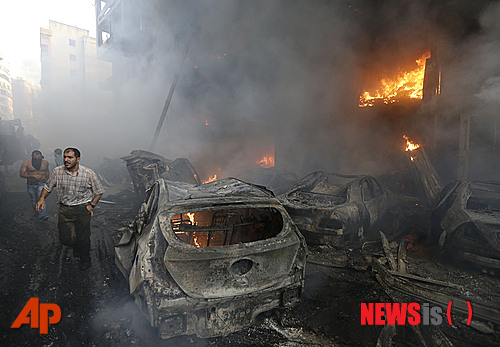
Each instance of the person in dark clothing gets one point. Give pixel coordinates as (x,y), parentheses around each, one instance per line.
(36,172)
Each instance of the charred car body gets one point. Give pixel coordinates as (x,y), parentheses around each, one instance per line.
(333,209)
(145,168)
(208,259)
(466,221)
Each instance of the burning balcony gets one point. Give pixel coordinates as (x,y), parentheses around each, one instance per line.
(405,84)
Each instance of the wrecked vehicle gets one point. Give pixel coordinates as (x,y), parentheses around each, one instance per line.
(333,209)
(146,168)
(208,259)
(466,222)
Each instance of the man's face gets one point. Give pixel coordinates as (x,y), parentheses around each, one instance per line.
(70,160)
(36,156)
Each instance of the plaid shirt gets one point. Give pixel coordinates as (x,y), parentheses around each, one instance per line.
(76,189)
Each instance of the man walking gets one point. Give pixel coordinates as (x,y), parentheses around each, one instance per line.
(78,191)
(36,172)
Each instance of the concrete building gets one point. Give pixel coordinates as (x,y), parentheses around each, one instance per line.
(6,106)
(69,61)
(72,95)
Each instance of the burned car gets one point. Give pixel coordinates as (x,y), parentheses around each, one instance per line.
(334,209)
(207,259)
(466,222)
(145,168)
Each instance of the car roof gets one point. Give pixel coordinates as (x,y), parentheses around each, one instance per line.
(226,187)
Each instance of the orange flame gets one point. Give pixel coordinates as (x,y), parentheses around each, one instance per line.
(267,161)
(196,243)
(410,146)
(191,218)
(408,84)
(210,179)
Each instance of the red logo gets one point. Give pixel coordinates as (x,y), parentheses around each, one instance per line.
(38,315)
(382,313)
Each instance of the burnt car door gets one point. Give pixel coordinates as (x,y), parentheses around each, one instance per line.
(126,249)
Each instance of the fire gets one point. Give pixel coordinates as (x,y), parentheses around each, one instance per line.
(196,243)
(191,218)
(410,146)
(267,161)
(408,84)
(210,179)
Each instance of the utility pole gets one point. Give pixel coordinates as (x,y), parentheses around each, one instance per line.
(169,98)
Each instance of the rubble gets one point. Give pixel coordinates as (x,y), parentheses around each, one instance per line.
(146,168)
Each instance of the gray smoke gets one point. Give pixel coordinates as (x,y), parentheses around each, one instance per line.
(281,73)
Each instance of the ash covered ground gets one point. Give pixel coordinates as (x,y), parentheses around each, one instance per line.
(97,309)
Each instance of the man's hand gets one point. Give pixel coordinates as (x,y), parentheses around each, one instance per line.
(41,200)
(38,176)
(90,209)
(40,204)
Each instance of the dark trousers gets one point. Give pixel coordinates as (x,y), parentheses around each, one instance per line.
(74,229)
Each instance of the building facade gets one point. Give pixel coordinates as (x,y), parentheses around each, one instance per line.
(69,60)
(6,106)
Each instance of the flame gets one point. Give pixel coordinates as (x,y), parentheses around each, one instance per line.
(210,179)
(410,146)
(196,243)
(407,84)
(208,123)
(191,218)
(267,161)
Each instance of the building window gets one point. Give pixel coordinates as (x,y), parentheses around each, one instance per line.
(45,49)
(72,57)
(72,43)
(72,73)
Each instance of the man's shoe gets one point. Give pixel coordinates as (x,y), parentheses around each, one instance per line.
(84,264)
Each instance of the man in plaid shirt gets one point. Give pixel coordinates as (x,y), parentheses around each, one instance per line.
(78,191)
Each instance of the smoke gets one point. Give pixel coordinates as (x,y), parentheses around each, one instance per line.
(282,75)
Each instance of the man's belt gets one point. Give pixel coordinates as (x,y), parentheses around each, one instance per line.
(36,183)
(84,204)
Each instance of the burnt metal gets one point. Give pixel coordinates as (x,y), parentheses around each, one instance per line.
(277,181)
(428,177)
(145,168)
(466,222)
(208,259)
(334,209)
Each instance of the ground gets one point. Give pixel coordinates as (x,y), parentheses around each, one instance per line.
(97,309)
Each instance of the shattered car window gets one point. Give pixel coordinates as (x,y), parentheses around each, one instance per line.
(224,227)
